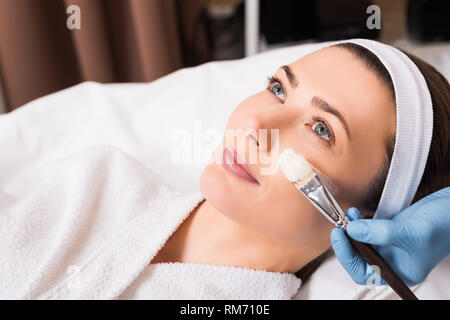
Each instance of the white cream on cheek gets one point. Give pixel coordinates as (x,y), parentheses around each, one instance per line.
(294,166)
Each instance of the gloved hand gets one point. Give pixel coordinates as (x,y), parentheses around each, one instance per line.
(413,242)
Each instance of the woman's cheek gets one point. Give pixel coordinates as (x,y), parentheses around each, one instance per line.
(285,214)
(303,223)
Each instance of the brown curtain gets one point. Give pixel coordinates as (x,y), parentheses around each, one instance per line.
(119,41)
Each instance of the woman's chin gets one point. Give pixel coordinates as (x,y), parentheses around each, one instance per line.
(226,193)
(214,186)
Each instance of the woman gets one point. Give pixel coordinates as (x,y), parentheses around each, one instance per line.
(242,237)
(280,230)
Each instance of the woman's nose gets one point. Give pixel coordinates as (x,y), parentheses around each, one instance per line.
(265,127)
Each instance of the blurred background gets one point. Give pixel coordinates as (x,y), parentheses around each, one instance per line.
(143,40)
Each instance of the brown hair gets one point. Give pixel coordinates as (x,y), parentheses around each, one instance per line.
(437,169)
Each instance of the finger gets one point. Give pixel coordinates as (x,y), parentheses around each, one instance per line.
(353,214)
(373,276)
(442,193)
(374,231)
(350,260)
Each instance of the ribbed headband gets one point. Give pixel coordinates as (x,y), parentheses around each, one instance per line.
(414,114)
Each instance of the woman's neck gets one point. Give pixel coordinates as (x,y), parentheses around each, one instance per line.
(208,236)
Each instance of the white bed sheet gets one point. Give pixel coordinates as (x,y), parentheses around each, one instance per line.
(143,120)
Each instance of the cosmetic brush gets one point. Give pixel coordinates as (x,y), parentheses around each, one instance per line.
(319,190)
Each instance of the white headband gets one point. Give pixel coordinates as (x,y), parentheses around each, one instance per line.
(414,128)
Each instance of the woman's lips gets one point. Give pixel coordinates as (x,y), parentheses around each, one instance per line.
(240,170)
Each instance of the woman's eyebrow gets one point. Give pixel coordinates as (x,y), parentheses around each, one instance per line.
(291,77)
(319,102)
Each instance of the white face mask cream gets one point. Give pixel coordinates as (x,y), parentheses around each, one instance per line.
(294,166)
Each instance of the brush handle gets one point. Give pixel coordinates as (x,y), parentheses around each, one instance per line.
(391,278)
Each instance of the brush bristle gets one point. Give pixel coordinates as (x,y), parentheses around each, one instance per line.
(301,183)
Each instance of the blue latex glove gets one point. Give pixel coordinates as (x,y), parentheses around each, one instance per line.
(413,242)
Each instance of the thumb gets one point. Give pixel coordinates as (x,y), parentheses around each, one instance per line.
(352,262)
(374,231)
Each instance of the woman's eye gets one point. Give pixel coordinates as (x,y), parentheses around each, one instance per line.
(276,89)
(321,129)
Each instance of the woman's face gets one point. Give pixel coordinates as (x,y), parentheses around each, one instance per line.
(328,107)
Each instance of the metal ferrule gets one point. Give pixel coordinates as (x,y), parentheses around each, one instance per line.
(316,192)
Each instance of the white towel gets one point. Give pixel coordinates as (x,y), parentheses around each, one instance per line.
(205,281)
(86,226)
